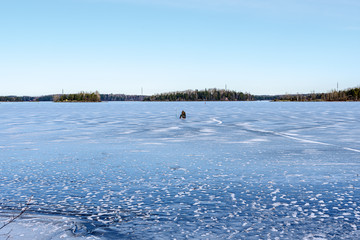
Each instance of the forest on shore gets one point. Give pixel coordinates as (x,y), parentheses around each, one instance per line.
(202,95)
(352,94)
(213,94)
(78,97)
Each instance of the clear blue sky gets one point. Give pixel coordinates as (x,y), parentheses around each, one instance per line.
(121,46)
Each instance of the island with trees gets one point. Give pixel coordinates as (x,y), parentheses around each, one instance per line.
(79,97)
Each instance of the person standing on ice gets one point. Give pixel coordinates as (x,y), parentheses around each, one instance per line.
(183,115)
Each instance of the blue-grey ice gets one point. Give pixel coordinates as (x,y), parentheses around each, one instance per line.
(134,170)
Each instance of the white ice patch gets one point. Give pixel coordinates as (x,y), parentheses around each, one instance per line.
(217,121)
(275,192)
(43,227)
(233,196)
(166,129)
(251,141)
(291,136)
(135,151)
(153,143)
(128,132)
(351,149)
(316,236)
(207,130)
(276,204)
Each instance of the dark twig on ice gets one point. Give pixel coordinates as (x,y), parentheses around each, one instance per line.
(13,218)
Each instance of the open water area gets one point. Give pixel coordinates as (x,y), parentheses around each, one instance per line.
(134,170)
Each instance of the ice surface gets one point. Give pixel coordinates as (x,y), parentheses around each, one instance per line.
(231,170)
(44,227)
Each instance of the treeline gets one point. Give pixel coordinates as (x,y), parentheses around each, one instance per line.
(265,97)
(11,99)
(202,95)
(351,94)
(70,97)
(121,97)
(78,97)
(20,99)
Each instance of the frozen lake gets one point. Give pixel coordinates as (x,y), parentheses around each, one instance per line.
(133,170)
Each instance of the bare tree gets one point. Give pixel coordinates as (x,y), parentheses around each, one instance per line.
(13,218)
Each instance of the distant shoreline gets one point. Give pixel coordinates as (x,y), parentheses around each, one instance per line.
(207,95)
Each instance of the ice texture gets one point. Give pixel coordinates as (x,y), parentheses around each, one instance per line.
(134,170)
